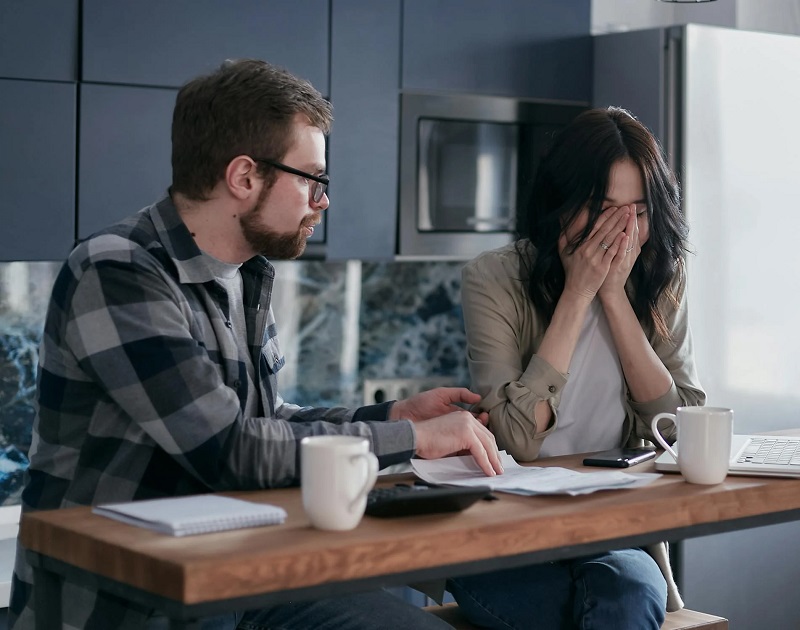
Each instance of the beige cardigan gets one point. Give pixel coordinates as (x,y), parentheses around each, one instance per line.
(504,332)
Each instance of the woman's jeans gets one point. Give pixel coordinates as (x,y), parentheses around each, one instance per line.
(617,590)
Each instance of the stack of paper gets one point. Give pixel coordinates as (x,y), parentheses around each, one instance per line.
(526,480)
(198,514)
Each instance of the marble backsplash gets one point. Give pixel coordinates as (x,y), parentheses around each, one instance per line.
(338,323)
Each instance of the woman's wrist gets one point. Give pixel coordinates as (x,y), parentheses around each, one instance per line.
(576,298)
(611,298)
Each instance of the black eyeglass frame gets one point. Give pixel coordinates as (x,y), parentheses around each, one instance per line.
(321,181)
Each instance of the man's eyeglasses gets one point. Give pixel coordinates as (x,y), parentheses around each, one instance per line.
(319,183)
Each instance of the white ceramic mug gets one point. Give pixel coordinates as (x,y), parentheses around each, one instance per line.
(704,442)
(337,472)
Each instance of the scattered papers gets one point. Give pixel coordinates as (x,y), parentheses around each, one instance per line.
(525,480)
(396,469)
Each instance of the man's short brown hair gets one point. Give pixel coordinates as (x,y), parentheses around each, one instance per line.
(245,107)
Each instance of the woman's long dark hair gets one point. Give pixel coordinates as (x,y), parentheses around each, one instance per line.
(573,175)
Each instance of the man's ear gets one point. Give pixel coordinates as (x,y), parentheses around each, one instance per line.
(241,177)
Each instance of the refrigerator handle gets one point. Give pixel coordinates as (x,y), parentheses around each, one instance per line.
(673,92)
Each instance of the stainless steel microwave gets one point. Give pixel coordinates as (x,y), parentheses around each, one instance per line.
(466,164)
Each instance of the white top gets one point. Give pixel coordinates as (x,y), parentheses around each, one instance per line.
(591,413)
(231,278)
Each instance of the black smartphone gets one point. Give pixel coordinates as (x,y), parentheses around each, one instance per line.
(620,457)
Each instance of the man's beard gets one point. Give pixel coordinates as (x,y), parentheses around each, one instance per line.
(268,242)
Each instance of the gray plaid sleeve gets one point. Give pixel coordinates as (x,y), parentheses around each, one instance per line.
(135,334)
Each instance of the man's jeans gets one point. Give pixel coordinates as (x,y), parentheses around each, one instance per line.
(377,610)
(617,590)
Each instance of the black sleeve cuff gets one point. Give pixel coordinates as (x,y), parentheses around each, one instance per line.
(373,413)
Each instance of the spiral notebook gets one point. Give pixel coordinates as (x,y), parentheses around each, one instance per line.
(197,514)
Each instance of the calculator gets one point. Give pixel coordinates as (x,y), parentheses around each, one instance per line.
(411,500)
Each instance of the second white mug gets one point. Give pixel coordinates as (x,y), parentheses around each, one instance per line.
(337,472)
(704,442)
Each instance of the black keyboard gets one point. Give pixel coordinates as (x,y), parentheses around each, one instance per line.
(408,500)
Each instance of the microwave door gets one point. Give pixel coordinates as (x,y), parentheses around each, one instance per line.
(424,218)
(466,176)
(495,178)
(466,162)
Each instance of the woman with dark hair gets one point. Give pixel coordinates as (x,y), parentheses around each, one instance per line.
(577,337)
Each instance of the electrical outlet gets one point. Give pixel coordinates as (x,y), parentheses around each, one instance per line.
(378,390)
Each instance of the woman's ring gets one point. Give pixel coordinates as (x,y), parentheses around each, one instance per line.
(604,245)
(629,250)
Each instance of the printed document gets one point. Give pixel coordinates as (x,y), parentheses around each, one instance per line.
(525,480)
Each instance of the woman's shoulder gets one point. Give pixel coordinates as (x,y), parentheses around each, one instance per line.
(675,292)
(506,261)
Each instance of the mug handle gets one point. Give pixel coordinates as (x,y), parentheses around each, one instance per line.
(657,435)
(372,475)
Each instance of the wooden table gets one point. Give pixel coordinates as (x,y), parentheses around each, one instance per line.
(197,576)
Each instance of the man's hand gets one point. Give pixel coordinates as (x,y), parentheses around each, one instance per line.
(435,402)
(455,433)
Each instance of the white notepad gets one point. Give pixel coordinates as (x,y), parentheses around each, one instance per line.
(197,514)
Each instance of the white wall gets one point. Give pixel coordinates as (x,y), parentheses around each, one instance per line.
(610,16)
(774,16)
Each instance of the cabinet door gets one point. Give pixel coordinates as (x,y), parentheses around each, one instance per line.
(125,147)
(365,63)
(39,40)
(538,49)
(152,42)
(37,169)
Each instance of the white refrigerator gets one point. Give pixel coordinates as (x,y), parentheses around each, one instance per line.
(726,105)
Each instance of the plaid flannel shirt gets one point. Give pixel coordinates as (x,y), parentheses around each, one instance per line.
(141,390)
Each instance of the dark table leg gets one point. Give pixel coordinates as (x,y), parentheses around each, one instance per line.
(47,600)
(47,597)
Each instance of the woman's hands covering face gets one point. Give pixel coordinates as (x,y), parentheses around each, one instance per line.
(588,267)
(624,258)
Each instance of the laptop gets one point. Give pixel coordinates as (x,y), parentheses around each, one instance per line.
(756,455)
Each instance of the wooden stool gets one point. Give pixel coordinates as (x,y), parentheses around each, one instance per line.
(684,619)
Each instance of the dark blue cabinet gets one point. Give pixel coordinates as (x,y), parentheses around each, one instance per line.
(39,39)
(539,49)
(124,150)
(37,169)
(152,42)
(365,65)
(359,53)
(536,49)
